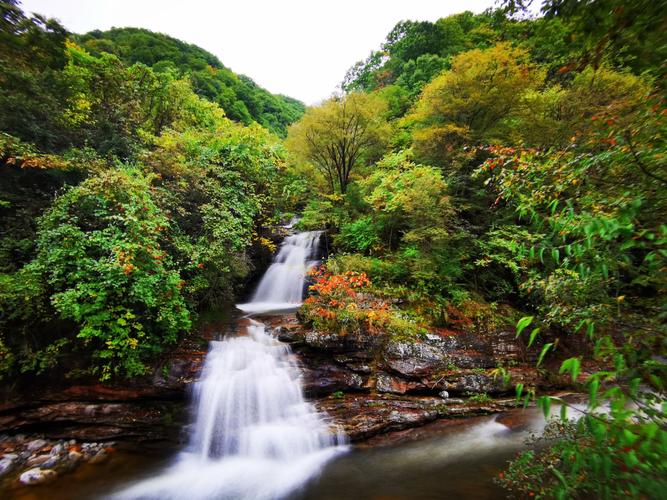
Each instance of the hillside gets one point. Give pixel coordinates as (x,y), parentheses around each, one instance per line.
(241,98)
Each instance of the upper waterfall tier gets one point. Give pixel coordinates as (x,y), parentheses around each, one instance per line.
(282,286)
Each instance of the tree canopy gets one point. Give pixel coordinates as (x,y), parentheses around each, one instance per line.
(339,136)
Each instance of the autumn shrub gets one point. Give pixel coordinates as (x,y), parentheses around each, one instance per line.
(380,271)
(341,303)
(594,267)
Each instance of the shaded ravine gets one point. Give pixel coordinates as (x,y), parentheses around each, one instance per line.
(254,434)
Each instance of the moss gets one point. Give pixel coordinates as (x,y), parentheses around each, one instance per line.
(481,398)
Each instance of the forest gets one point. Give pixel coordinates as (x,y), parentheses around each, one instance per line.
(484,169)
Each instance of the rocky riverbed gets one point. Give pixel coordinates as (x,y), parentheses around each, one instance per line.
(31,460)
(369,385)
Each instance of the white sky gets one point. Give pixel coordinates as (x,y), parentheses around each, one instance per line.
(299,48)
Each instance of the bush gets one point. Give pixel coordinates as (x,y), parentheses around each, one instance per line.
(591,457)
(339,305)
(99,248)
(358,236)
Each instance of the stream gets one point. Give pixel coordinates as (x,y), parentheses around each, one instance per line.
(446,459)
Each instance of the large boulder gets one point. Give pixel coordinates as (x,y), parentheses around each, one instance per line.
(416,359)
(37,476)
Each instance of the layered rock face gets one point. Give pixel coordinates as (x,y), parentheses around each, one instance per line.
(154,408)
(372,384)
(369,384)
(454,363)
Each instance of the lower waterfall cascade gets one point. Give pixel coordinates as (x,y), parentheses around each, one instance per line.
(254,435)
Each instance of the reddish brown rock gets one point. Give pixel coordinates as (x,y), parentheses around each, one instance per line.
(364,416)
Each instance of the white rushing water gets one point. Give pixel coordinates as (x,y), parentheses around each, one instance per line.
(255,436)
(282,286)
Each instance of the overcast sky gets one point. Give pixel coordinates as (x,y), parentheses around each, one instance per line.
(301,48)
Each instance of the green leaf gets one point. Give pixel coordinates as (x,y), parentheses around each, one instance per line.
(519,390)
(560,476)
(593,393)
(553,205)
(631,459)
(522,324)
(533,335)
(572,366)
(545,349)
(629,438)
(545,403)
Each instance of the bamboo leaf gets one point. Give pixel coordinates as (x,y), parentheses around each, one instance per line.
(571,366)
(522,324)
(545,349)
(533,335)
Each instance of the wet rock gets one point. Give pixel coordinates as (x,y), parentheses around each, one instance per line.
(364,416)
(328,341)
(7,464)
(287,334)
(415,359)
(326,378)
(395,385)
(74,456)
(99,457)
(360,367)
(473,383)
(443,394)
(506,347)
(362,344)
(103,420)
(354,381)
(51,463)
(35,444)
(453,401)
(37,460)
(37,476)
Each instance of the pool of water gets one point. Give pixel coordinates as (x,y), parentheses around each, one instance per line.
(455,461)
(446,459)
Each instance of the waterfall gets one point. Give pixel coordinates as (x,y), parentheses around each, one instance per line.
(282,286)
(254,434)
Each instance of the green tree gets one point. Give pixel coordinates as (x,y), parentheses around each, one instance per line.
(472,103)
(617,32)
(240,97)
(32,54)
(411,201)
(339,136)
